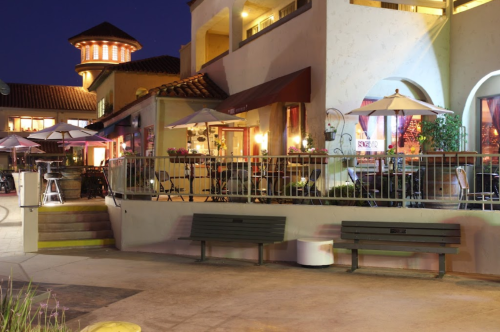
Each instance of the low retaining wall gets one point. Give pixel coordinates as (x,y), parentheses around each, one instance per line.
(155,226)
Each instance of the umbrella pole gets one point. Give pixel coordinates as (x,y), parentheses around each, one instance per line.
(14,159)
(208,137)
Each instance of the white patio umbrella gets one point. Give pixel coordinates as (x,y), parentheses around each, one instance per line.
(61,131)
(13,142)
(207,117)
(399,105)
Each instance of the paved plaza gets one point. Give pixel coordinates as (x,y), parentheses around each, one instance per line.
(175,293)
(10,226)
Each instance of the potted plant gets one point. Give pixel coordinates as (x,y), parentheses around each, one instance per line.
(295,189)
(444,136)
(181,155)
(330,132)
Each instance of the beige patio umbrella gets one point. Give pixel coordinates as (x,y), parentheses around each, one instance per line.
(13,142)
(207,117)
(398,105)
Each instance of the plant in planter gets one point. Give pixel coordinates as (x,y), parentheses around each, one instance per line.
(295,189)
(444,136)
(344,191)
(330,132)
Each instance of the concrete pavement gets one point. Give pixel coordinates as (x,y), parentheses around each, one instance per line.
(174,293)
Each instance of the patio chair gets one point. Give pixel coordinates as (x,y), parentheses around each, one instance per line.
(464,190)
(164,177)
(310,189)
(415,188)
(361,190)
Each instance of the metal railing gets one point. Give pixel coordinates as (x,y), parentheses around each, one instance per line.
(368,180)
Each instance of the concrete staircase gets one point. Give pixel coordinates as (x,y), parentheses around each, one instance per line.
(74,226)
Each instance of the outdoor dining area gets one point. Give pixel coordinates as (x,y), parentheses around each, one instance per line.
(59,180)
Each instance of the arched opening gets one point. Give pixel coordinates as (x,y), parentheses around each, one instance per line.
(385,128)
(212,39)
(481,115)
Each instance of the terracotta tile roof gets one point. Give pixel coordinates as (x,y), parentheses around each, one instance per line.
(48,97)
(105,30)
(198,86)
(164,64)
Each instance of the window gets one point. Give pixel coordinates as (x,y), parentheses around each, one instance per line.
(115,53)
(105,55)
(267,22)
(122,54)
(252,31)
(490,126)
(101,108)
(87,52)
(96,52)
(295,126)
(287,10)
(78,122)
(25,123)
(83,54)
(128,55)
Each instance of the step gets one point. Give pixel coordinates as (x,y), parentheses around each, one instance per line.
(73,208)
(65,217)
(80,235)
(88,243)
(73,226)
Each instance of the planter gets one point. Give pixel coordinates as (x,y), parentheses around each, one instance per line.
(441,183)
(330,135)
(187,159)
(452,158)
(71,183)
(307,158)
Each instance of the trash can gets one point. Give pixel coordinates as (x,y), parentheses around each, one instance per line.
(315,252)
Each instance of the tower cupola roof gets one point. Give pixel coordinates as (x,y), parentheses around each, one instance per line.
(105,31)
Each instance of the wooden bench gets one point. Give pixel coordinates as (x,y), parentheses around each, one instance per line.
(237,228)
(418,237)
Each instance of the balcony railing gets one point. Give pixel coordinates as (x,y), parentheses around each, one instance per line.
(428,181)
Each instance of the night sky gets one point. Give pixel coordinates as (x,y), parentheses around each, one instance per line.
(34,34)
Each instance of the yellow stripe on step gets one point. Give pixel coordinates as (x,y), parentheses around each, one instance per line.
(74,208)
(75,243)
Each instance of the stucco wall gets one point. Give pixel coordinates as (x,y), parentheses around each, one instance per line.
(159,232)
(474,53)
(366,45)
(215,45)
(295,45)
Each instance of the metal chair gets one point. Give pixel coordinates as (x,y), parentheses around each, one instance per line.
(4,183)
(464,190)
(360,188)
(309,188)
(162,177)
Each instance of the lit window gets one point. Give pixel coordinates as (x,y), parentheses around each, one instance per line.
(87,52)
(83,54)
(83,123)
(48,122)
(128,55)
(105,52)
(267,22)
(73,122)
(96,52)
(122,55)
(26,124)
(115,53)
(100,108)
(37,124)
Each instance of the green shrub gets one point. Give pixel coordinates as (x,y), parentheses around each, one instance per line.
(345,191)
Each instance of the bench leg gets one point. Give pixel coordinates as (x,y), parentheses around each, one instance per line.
(202,251)
(354,255)
(261,254)
(442,265)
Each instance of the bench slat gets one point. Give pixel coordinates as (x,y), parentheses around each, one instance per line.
(366,246)
(401,230)
(203,238)
(236,231)
(230,218)
(242,236)
(238,225)
(400,224)
(400,238)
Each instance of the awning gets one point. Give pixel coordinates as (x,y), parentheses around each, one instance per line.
(295,87)
(125,122)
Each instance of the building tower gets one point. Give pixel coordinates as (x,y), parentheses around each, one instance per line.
(100,46)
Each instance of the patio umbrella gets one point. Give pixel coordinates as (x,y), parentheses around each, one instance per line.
(12,142)
(207,117)
(61,131)
(399,105)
